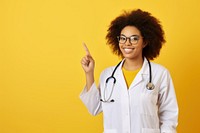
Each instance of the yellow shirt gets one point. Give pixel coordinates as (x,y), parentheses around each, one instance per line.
(129,75)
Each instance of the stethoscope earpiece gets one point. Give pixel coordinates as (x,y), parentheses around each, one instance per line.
(108,101)
(112,100)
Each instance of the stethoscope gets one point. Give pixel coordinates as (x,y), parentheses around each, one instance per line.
(149,85)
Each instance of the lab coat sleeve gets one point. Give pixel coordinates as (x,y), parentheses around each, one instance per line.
(91,99)
(168,107)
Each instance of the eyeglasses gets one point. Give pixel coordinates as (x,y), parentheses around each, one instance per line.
(132,39)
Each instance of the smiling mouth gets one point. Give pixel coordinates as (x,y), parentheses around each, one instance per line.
(128,50)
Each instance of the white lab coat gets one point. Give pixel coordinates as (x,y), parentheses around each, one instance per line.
(135,110)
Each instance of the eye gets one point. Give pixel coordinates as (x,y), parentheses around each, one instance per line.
(122,38)
(134,38)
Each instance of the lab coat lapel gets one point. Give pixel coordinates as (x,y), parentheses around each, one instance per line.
(119,75)
(137,80)
(121,79)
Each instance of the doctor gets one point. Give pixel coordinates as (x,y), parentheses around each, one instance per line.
(139,97)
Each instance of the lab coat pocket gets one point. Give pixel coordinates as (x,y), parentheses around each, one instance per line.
(148,104)
(110,131)
(149,130)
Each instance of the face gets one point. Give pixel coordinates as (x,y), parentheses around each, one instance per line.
(131,42)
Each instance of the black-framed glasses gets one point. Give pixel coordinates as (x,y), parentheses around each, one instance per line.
(132,39)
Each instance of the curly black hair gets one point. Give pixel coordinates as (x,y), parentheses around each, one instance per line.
(150,29)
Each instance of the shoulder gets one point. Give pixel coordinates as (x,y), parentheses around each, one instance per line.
(107,71)
(158,69)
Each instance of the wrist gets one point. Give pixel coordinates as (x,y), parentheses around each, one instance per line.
(89,73)
(89,80)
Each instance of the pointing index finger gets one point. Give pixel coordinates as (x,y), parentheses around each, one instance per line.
(86,49)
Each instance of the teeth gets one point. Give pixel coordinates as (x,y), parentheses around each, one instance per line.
(127,50)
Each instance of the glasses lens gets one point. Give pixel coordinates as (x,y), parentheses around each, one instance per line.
(134,39)
(122,39)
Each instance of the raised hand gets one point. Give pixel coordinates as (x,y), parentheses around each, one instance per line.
(87,61)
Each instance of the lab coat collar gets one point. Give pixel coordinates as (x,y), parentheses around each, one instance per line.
(142,74)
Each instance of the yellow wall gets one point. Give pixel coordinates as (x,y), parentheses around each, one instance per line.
(41,48)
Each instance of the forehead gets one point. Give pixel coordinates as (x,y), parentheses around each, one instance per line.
(130,30)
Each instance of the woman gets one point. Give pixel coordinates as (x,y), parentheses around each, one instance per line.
(142,100)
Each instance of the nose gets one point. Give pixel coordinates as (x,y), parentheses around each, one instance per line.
(128,42)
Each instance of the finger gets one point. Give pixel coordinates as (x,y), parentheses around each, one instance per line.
(85,61)
(86,49)
(86,58)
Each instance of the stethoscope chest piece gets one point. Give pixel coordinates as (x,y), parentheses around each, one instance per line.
(150,86)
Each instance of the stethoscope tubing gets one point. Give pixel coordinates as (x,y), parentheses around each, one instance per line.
(149,86)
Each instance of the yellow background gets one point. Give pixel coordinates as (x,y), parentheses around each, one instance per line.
(41,48)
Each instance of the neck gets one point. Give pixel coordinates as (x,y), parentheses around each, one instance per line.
(133,64)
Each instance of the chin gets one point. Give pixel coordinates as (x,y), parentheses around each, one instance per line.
(128,56)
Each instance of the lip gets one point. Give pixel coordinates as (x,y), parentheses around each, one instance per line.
(125,47)
(128,50)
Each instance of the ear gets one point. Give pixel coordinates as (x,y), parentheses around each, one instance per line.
(145,44)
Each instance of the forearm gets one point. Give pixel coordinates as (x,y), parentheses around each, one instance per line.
(91,99)
(89,80)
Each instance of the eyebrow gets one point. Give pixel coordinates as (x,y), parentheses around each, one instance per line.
(129,36)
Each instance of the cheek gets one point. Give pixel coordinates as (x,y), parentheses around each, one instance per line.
(139,49)
(140,46)
(120,47)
